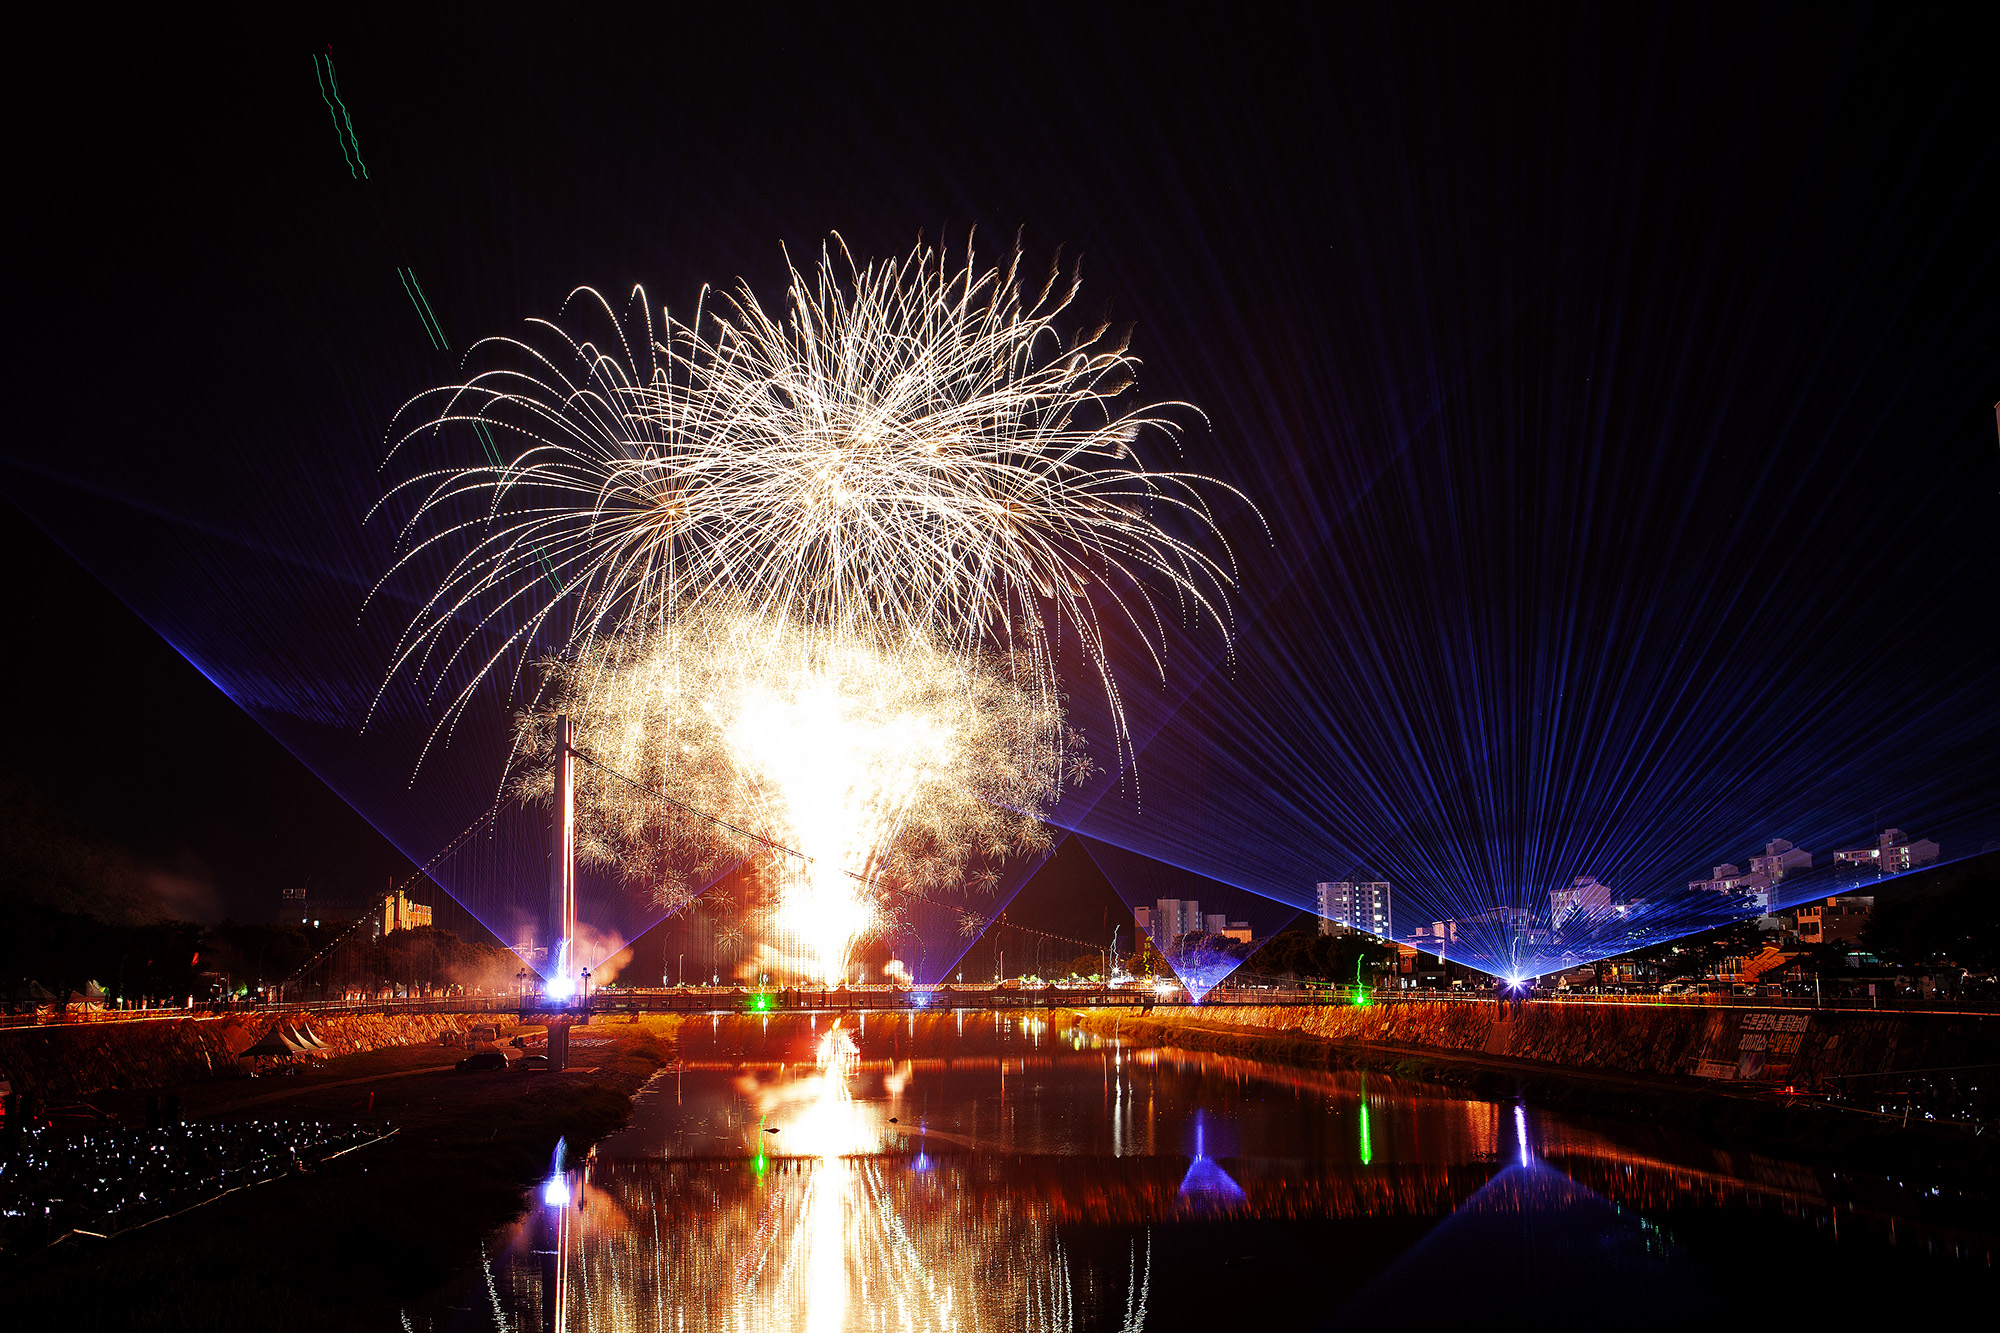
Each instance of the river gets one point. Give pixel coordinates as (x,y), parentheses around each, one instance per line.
(989,1172)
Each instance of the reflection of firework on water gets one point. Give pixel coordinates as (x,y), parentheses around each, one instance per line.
(843,1231)
(893,498)
(838,1243)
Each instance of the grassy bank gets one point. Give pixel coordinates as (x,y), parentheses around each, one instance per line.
(1756,1120)
(348,1244)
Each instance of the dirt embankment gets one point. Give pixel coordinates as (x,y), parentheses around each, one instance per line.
(1800,1047)
(66,1062)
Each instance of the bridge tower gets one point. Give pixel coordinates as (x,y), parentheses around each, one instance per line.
(562,858)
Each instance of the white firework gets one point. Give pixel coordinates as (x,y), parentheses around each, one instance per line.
(910,450)
(883,506)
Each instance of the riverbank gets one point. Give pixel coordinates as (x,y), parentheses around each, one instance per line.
(70,1062)
(347,1245)
(1748,1116)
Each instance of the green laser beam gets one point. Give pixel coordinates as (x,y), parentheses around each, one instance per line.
(343,123)
(425,302)
(486,442)
(432,329)
(493,457)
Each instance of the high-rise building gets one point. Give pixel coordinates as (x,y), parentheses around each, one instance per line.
(1892,853)
(1214,923)
(1836,921)
(1779,859)
(1356,904)
(399,913)
(1435,935)
(1584,901)
(1169,919)
(1754,887)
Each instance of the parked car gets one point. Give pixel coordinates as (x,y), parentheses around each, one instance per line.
(532,1062)
(479,1060)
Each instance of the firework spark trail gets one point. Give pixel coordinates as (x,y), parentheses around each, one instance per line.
(913,450)
(909,468)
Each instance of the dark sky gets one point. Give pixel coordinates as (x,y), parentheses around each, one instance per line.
(1732,269)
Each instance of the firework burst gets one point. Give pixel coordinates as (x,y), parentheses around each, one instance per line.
(911,450)
(726,733)
(891,499)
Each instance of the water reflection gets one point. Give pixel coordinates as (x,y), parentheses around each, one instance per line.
(816,1176)
(1578,1252)
(1204,1179)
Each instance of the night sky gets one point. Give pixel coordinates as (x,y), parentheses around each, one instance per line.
(1557,347)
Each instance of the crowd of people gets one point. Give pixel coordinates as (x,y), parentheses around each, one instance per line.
(57,1181)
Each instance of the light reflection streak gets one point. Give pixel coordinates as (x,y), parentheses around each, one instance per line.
(1205,1181)
(849,1223)
(853,1258)
(981,1233)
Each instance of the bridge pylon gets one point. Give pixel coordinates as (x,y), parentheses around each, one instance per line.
(562,857)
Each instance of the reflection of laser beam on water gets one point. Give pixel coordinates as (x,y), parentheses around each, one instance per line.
(556,1199)
(555,1190)
(1205,1182)
(1553,1240)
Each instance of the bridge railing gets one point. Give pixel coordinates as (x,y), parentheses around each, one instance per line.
(728,999)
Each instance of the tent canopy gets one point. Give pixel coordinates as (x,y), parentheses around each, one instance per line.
(274,1042)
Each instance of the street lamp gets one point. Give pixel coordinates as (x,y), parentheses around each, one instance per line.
(680,970)
(585,990)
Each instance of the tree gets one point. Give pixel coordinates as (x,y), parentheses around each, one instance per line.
(1697,955)
(1300,950)
(1086,965)
(430,957)
(48,858)
(1960,926)
(262,953)
(1820,959)
(62,951)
